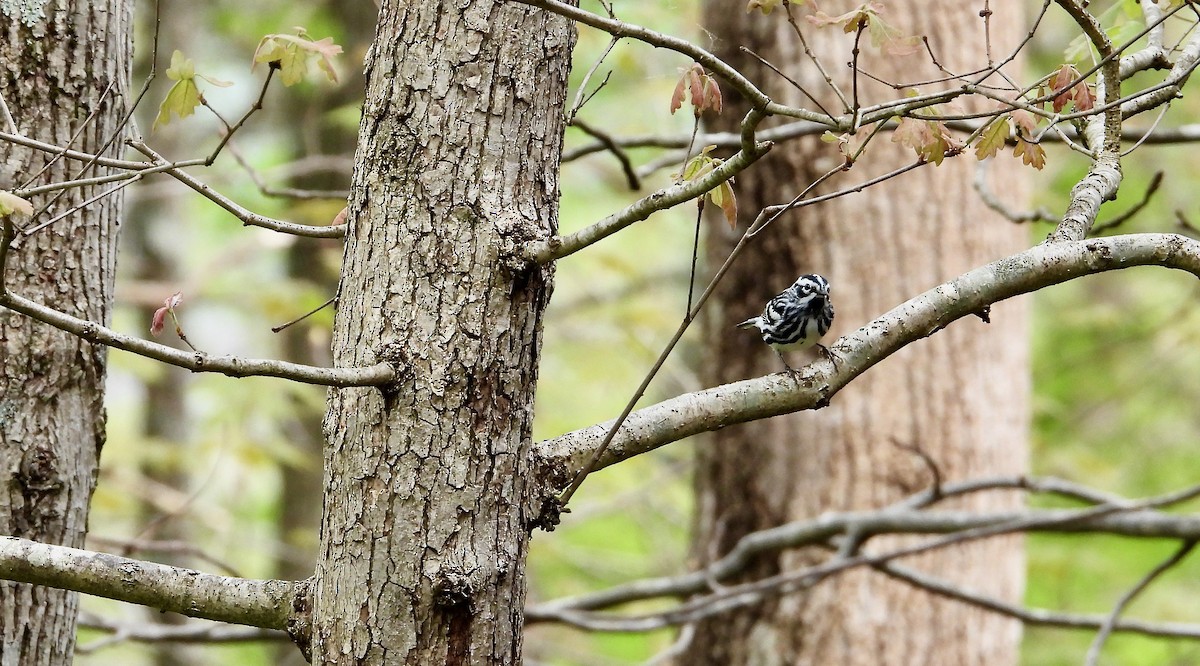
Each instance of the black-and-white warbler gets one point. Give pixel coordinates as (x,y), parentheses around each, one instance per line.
(796,318)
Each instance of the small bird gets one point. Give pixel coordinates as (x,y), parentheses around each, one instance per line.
(796,318)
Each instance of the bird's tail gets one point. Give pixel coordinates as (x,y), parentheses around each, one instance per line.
(749,323)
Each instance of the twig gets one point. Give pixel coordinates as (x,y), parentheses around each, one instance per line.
(306,315)
(1117,221)
(580,100)
(1033,617)
(606,140)
(233,366)
(1106,629)
(248,218)
(229,131)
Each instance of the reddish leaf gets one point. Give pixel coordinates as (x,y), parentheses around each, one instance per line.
(1030,153)
(156,323)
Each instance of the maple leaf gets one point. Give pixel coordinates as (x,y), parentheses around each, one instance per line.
(11,203)
(183,97)
(290,54)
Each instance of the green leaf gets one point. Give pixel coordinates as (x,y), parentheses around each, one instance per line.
(290,54)
(992,138)
(183,97)
(722,195)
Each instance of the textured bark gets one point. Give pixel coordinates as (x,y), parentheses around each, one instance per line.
(428,508)
(54,70)
(961,396)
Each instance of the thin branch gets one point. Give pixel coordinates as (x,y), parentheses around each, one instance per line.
(561,246)
(1093,653)
(191,632)
(257,603)
(1034,617)
(920,317)
(1124,518)
(997,204)
(580,98)
(248,218)
(755,97)
(230,131)
(607,141)
(233,366)
(1151,188)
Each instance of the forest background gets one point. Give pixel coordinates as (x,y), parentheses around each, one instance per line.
(230,467)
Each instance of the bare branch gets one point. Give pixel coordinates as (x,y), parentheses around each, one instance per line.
(1130,518)
(257,603)
(233,366)
(755,97)
(561,246)
(192,632)
(920,317)
(248,218)
(1035,617)
(1093,654)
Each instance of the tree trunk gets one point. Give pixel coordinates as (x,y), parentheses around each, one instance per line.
(960,396)
(428,509)
(63,73)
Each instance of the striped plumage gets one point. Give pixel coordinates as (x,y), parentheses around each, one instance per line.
(796,318)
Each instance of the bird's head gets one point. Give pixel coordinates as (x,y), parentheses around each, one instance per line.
(811,285)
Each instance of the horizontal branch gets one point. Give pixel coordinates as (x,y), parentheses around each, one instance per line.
(19,140)
(232,366)
(200,631)
(1036,617)
(242,213)
(865,524)
(920,317)
(257,603)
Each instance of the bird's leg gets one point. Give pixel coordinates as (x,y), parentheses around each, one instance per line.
(794,373)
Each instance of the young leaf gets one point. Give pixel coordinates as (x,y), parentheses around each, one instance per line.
(703,89)
(290,54)
(930,139)
(722,195)
(764,6)
(1030,153)
(160,315)
(183,97)
(992,138)
(11,203)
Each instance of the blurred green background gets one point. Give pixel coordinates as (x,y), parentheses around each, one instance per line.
(222,464)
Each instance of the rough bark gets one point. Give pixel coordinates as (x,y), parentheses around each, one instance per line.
(428,508)
(961,396)
(54,72)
